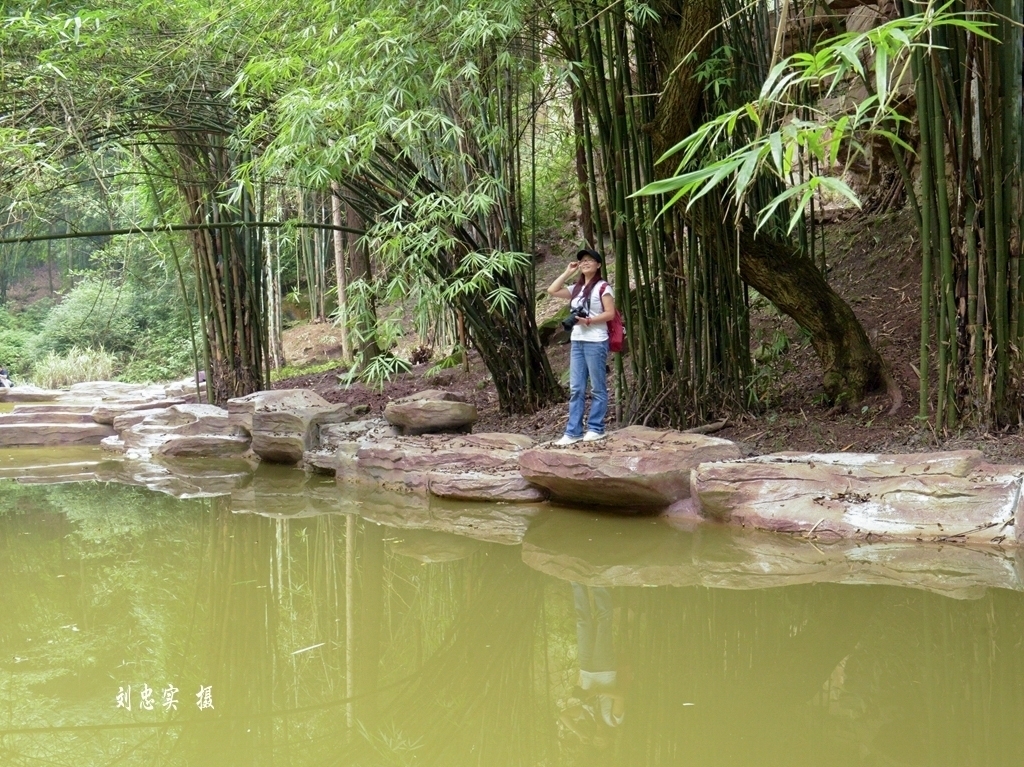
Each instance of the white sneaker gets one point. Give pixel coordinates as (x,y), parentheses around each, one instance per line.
(592,436)
(567,440)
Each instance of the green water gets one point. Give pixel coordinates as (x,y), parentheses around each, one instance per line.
(331,629)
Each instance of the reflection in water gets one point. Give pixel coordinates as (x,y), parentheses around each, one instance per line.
(599,701)
(329,639)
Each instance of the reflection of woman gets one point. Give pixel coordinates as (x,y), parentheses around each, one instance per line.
(593,304)
(601,698)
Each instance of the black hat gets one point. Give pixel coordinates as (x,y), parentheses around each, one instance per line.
(592,253)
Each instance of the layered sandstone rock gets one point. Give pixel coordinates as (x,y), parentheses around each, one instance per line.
(941,497)
(471,467)
(52,426)
(431,412)
(183,431)
(633,469)
(286,423)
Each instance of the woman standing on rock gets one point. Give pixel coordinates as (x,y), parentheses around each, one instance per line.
(591,306)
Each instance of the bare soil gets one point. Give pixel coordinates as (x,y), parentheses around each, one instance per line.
(872,262)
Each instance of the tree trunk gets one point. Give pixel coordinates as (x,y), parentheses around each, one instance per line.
(362,269)
(341,277)
(776,270)
(850,367)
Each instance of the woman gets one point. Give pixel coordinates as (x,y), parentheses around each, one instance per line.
(592,305)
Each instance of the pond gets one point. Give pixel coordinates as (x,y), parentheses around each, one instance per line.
(295,623)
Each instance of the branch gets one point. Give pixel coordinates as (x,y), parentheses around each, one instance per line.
(175,228)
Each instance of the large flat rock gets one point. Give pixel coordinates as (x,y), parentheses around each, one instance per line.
(633,469)
(185,431)
(28,393)
(52,434)
(470,467)
(938,497)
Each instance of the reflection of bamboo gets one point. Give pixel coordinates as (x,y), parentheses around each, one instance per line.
(350,689)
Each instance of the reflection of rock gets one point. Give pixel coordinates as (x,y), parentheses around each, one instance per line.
(603,551)
(431,412)
(429,546)
(285,423)
(470,467)
(635,468)
(925,497)
(495,523)
(182,478)
(283,493)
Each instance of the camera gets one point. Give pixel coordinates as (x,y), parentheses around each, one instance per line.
(575,315)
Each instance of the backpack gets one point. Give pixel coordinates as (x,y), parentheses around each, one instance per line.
(616,330)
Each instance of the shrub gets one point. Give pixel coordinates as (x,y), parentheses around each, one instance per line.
(161,356)
(57,371)
(143,328)
(15,346)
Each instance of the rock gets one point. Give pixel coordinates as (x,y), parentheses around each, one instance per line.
(242,408)
(50,425)
(186,430)
(941,497)
(132,417)
(472,467)
(506,486)
(186,389)
(52,434)
(285,424)
(113,390)
(634,469)
(28,393)
(431,412)
(203,446)
(108,411)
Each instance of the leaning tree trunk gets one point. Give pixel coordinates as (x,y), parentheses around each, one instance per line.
(778,271)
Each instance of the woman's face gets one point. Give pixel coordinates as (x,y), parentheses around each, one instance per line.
(588,266)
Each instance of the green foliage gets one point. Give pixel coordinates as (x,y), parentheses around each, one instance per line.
(291,371)
(15,345)
(555,183)
(141,328)
(453,360)
(95,313)
(768,136)
(162,354)
(56,371)
(380,370)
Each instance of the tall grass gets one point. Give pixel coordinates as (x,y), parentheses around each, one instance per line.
(55,371)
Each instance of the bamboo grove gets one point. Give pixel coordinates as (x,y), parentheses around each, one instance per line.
(415,133)
(970,212)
